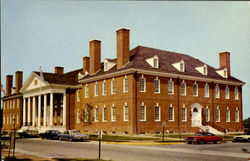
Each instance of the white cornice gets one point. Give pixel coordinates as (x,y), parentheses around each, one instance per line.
(163,74)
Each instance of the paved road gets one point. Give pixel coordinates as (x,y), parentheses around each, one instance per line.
(117,152)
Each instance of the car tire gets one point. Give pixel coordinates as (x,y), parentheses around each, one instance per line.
(189,142)
(60,139)
(215,142)
(70,139)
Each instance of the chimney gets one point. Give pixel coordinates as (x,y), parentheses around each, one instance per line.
(225,61)
(85,64)
(95,56)
(19,80)
(9,81)
(58,70)
(122,47)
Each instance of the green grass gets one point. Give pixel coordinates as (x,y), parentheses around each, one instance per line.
(76,159)
(16,159)
(121,138)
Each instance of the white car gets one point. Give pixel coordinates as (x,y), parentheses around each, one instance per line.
(242,138)
(72,135)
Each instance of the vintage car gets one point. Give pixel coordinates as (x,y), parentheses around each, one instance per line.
(203,137)
(50,134)
(242,138)
(28,134)
(73,135)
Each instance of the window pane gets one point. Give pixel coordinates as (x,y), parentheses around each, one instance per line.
(183,88)
(142,84)
(183,114)
(105,114)
(96,114)
(157,82)
(171,114)
(125,86)
(170,87)
(125,113)
(113,114)
(195,90)
(157,113)
(142,113)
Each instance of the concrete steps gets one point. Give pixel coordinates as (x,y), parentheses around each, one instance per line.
(211,130)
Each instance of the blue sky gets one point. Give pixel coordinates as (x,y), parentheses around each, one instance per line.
(56,33)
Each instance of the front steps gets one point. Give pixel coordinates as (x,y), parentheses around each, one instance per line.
(210,129)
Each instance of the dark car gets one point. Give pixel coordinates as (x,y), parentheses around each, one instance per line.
(28,134)
(73,135)
(203,137)
(50,134)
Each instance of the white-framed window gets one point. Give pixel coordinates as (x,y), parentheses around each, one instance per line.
(195,89)
(78,96)
(183,114)
(113,86)
(171,113)
(236,93)
(78,117)
(225,73)
(104,114)
(207,114)
(170,86)
(96,89)
(125,84)
(217,91)
(205,69)
(142,112)
(125,111)
(157,112)
(237,115)
(86,91)
(155,63)
(182,67)
(142,84)
(227,115)
(183,88)
(206,91)
(113,113)
(96,114)
(104,88)
(157,85)
(217,114)
(227,92)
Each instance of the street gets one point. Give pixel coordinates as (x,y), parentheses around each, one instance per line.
(122,152)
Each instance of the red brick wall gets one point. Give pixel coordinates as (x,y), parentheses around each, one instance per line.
(70,108)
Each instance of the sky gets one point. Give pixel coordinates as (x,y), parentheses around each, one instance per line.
(51,33)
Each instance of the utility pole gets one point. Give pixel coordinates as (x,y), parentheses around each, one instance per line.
(100,137)
(163,126)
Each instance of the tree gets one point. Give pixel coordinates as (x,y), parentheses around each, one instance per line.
(85,114)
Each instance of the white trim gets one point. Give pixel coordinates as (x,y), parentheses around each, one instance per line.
(183,81)
(113,89)
(104,107)
(172,82)
(125,105)
(96,89)
(217,108)
(206,95)
(238,120)
(104,82)
(195,83)
(236,93)
(217,86)
(173,113)
(228,110)
(144,82)
(124,84)
(159,85)
(208,114)
(183,107)
(157,105)
(96,118)
(227,95)
(145,111)
(86,91)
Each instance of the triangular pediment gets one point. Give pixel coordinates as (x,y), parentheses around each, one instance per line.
(33,82)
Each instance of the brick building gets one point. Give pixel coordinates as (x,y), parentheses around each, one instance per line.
(144,87)
(49,100)
(12,103)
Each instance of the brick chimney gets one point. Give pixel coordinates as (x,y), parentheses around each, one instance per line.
(19,80)
(225,61)
(9,84)
(95,56)
(85,64)
(58,70)
(122,47)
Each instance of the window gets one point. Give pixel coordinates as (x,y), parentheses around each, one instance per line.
(227,92)
(227,115)
(182,69)
(96,89)
(170,87)
(207,114)
(237,115)
(86,91)
(104,88)
(142,84)
(113,113)
(142,113)
(236,93)
(205,70)
(113,88)
(157,113)
(218,114)
(78,116)
(157,85)
(86,115)
(96,114)
(195,89)
(183,88)
(156,62)
(206,94)
(104,116)
(184,114)
(125,118)
(171,113)
(225,73)
(10,104)
(78,96)
(125,84)
(217,91)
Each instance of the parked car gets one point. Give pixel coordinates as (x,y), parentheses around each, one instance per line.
(50,134)
(203,137)
(73,135)
(242,138)
(28,134)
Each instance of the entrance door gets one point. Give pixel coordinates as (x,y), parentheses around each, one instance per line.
(196,115)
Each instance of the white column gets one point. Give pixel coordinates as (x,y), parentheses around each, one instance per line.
(45,110)
(64,109)
(39,111)
(29,111)
(51,110)
(34,111)
(24,112)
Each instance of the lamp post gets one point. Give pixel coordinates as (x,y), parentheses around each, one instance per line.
(14,138)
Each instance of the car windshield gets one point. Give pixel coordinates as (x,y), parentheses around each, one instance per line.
(76,132)
(198,134)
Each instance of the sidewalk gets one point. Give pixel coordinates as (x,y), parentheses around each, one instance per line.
(22,157)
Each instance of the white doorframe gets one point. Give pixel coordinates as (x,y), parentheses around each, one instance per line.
(196,112)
